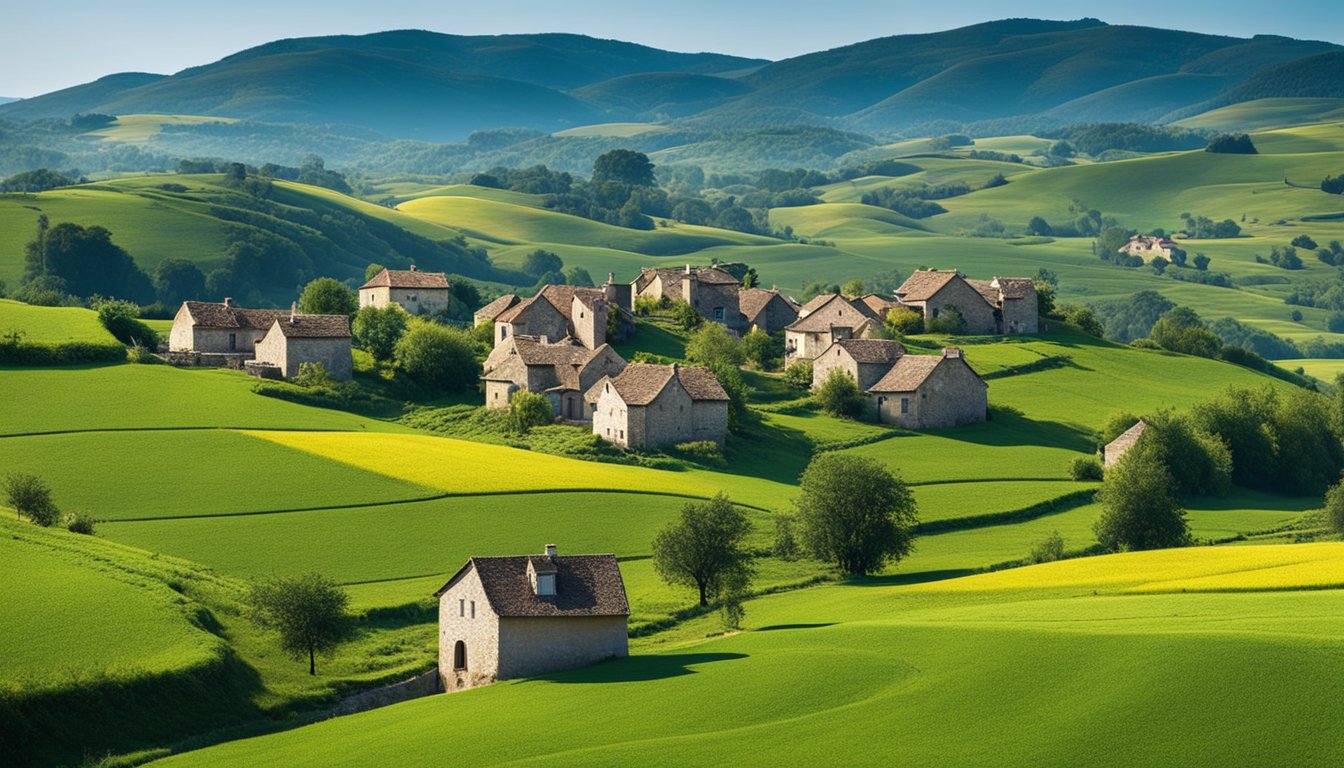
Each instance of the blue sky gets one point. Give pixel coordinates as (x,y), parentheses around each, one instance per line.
(51,44)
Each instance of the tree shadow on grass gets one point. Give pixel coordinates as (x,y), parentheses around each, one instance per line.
(656,666)
(1008,427)
(902,579)
(777,627)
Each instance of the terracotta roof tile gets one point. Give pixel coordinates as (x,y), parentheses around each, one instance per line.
(585,585)
(986,289)
(496,308)
(752,301)
(1015,287)
(407,278)
(879,306)
(700,383)
(641,383)
(835,312)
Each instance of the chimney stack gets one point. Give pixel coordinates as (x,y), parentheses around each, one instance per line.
(228,301)
(293,313)
(688,269)
(550,550)
(412,267)
(611,278)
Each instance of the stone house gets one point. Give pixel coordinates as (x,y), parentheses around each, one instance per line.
(295,339)
(1117,448)
(1147,247)
(650,405)
(821,322)
(494,309)
(420,293)
(208,328)
(998,306)
(710,290)
(555,313)
(865,360)
(769,311)
(563,372)
(923,391)
(509,617)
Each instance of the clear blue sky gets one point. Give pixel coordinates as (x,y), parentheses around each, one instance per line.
(51,44)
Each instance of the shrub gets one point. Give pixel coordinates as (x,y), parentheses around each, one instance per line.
(785,546)
(714,344)
(762,349)
(839,395)
(1048,550)
(685,316)
(1334,507)
(1085,319)
(1085,468)
(437,358)
(140,354)
(1304,241)
(1232,144)
(949,321)
(703,451)
(314,375)
(646,305)
(122,320)
(528,410)
(80,523)
(855,513)
(379,329)
(799,374)
(30,496)
(903,321)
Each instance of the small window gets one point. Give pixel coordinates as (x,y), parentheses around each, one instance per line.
(460,655)
(546,584)
(935,311)
(718,314)
(461,607)
(233,341)
(622,434)
(905,405)
(503,331)
(473,609)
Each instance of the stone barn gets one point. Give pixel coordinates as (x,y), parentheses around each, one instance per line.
(710,290)
(213,328)
(563,372)
(557,312)
(420,293)
(650,405)
(923,391)
(865,360)
(769,311)
(824,320)
(508,617)
(998,306)
(295,339)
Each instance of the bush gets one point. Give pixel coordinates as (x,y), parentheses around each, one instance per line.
(762,349)
(799,374)
(647,305)
(1085,468)
(1180,330)
(949,321)
(785,546)
(141,355)
(1304,241)
(1334,507)
(839,395)
(80,523)
(528,410)
(1085,319)
(378,330)
(702,451)
(30,496)
(314,376)
(122,320)
(15,351)
(1232,144)
(1048,550)
(438,358)
(685,316)
(903,321)
(714,344)
(1139,507)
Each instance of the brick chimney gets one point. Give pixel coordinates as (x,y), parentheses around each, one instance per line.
(228,301)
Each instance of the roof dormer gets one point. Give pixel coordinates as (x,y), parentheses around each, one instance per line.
(541,572)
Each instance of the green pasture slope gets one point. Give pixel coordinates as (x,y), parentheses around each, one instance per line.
(1032,671)
(52,325)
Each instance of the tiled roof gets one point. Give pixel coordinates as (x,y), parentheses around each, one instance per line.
(816,302)
(585,585)
(207,314)
(715,276)
(987,290)
(1129,436)
(711,275)
(512,313)
(533,352)
(1015,287)
(872,350)
(923,284)
(562,296)
(752,301)
(835,312)
(907,374)
(877,305)
(700,383)
(313,326)
(407,278)
(495,308)
(641,383)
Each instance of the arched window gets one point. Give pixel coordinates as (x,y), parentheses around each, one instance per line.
(460,655)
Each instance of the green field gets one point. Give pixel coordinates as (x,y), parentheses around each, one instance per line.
(1025,664)
(52,325)
(1267,113)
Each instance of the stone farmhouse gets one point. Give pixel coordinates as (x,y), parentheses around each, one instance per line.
(274,341)
(925,391)
(1004,305)
(420,293)
(651,405)
(824,320)
(508,617)
(563,372)
(768,311)
(710,290)
(557,312)
(1117,448)
(865,360)
(1148,247)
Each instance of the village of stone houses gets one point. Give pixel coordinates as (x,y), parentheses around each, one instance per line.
(417,398)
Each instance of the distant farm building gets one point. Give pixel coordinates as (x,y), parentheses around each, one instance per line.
(272,342)
(1004,305)
(927,391)
(710,290)
(1117,448)
(508,617)
(865,360)
(769,311)
(1146,247)
(825,320)
(563,372)
(557,312)
(651,405)
(420,293)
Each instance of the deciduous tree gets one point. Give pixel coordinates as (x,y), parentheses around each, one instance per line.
(705,548)
(308,611)
(855,512)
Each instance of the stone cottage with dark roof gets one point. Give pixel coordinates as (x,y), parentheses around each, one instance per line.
(209,328)
(295,339)
(769,311)
(710,290)
(998,306)
(649,405)
(555,313)
(509,617)
(925,391)
(824,320)
(420,293)
(865,360)
(563,372)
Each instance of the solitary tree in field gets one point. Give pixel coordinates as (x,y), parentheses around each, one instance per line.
(328,296)
(30,496)
(308,612)
(855,512)
(1138,504)
(705,548)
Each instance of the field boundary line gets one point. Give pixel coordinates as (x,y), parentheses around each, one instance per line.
(112,430)
(1040,509)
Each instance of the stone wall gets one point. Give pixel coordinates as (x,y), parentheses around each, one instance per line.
(537,646)
(288,353)
(479,633)
(1020,315)
(590,325)
(831,359)
(416,687)
(497,393)
(715,302)
(978,313)
(667,420)
(611,418)
(951,396)
(709,420)
(776,316)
